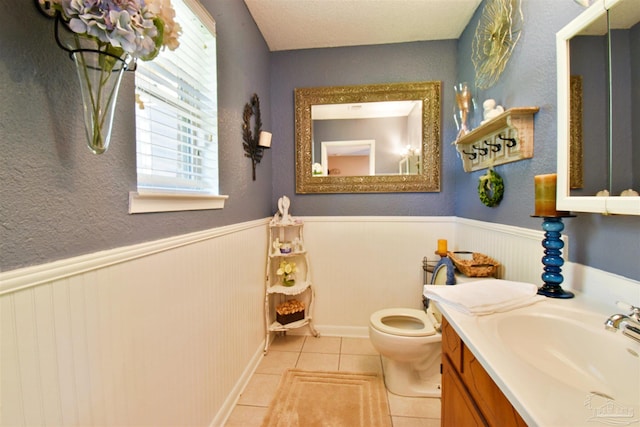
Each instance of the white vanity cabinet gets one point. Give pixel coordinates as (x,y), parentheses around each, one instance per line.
(286,245)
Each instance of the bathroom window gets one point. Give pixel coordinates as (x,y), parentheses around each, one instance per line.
(177,120)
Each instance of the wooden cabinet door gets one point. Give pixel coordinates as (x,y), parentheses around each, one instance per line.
(451,345)
(458,408)
(493,404)
(469,395)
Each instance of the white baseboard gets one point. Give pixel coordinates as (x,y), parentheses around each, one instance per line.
(335,331)
(232,399)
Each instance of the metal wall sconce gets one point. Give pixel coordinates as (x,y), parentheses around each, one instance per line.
(254,142)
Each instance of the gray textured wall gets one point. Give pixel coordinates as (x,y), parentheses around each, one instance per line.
(420,61)
(529,80)
(610,243)
(57,199)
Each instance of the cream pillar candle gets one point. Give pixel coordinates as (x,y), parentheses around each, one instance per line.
(545,193)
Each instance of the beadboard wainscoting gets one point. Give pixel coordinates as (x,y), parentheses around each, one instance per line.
(364,264)
(518,250)
(158,334)
(168,332)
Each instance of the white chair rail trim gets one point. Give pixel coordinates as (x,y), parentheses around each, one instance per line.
(19,279)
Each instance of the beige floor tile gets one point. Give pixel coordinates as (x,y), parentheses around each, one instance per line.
(420,407)
(275,362)
(287,343)
(260,390)
(322,345)
(357,346)
(318,362)
(414,422)
(360,363)
(324,354)
(246,416)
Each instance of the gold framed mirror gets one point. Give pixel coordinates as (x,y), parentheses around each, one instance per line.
(423,176)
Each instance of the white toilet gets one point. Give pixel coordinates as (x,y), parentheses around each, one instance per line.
(409,341)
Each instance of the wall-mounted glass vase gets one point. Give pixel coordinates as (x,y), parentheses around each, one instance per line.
(463,109)
(100,75)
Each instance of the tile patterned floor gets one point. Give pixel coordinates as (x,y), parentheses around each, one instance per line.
(330,354)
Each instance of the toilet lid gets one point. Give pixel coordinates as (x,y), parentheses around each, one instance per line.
(406,322)
(440,277)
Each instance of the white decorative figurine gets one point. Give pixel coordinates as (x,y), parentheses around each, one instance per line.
(297,245)
(283,216)
(629,193)
(491,110)
(276,245)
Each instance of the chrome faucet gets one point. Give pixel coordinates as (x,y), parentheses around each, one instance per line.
(628,324)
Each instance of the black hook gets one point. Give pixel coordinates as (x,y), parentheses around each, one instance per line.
(512,141)
(483,151)
(494,147)
(472,156)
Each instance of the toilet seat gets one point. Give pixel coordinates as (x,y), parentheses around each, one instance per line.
(383,321)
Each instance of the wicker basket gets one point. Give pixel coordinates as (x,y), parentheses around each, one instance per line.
(290,311)
(285,319)
(479,266)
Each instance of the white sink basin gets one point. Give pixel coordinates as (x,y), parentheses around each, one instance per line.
(574,348)
(556,363)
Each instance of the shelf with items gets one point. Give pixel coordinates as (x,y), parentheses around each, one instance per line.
(299,271)
(288,290)
(287,305)
(277,293)
(286,239)
(287,321)
(275,254)
(504,139)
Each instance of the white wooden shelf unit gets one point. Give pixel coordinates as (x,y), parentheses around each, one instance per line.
(275,291)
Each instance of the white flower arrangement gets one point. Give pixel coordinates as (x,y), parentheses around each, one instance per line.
(139,28)
(106,35)
(287,270)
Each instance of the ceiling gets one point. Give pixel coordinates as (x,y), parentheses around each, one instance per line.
(305,24)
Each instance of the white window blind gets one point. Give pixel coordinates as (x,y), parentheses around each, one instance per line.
(177,111)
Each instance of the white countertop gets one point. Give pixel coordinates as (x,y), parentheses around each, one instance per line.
(541,396)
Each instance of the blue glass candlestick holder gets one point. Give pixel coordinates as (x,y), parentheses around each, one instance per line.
(552,259)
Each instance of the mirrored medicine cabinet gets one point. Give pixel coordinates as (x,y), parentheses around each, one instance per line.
(598,56)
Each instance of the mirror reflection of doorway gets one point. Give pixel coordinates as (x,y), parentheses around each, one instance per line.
(348,158)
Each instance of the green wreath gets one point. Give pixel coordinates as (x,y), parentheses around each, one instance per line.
(490,188)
